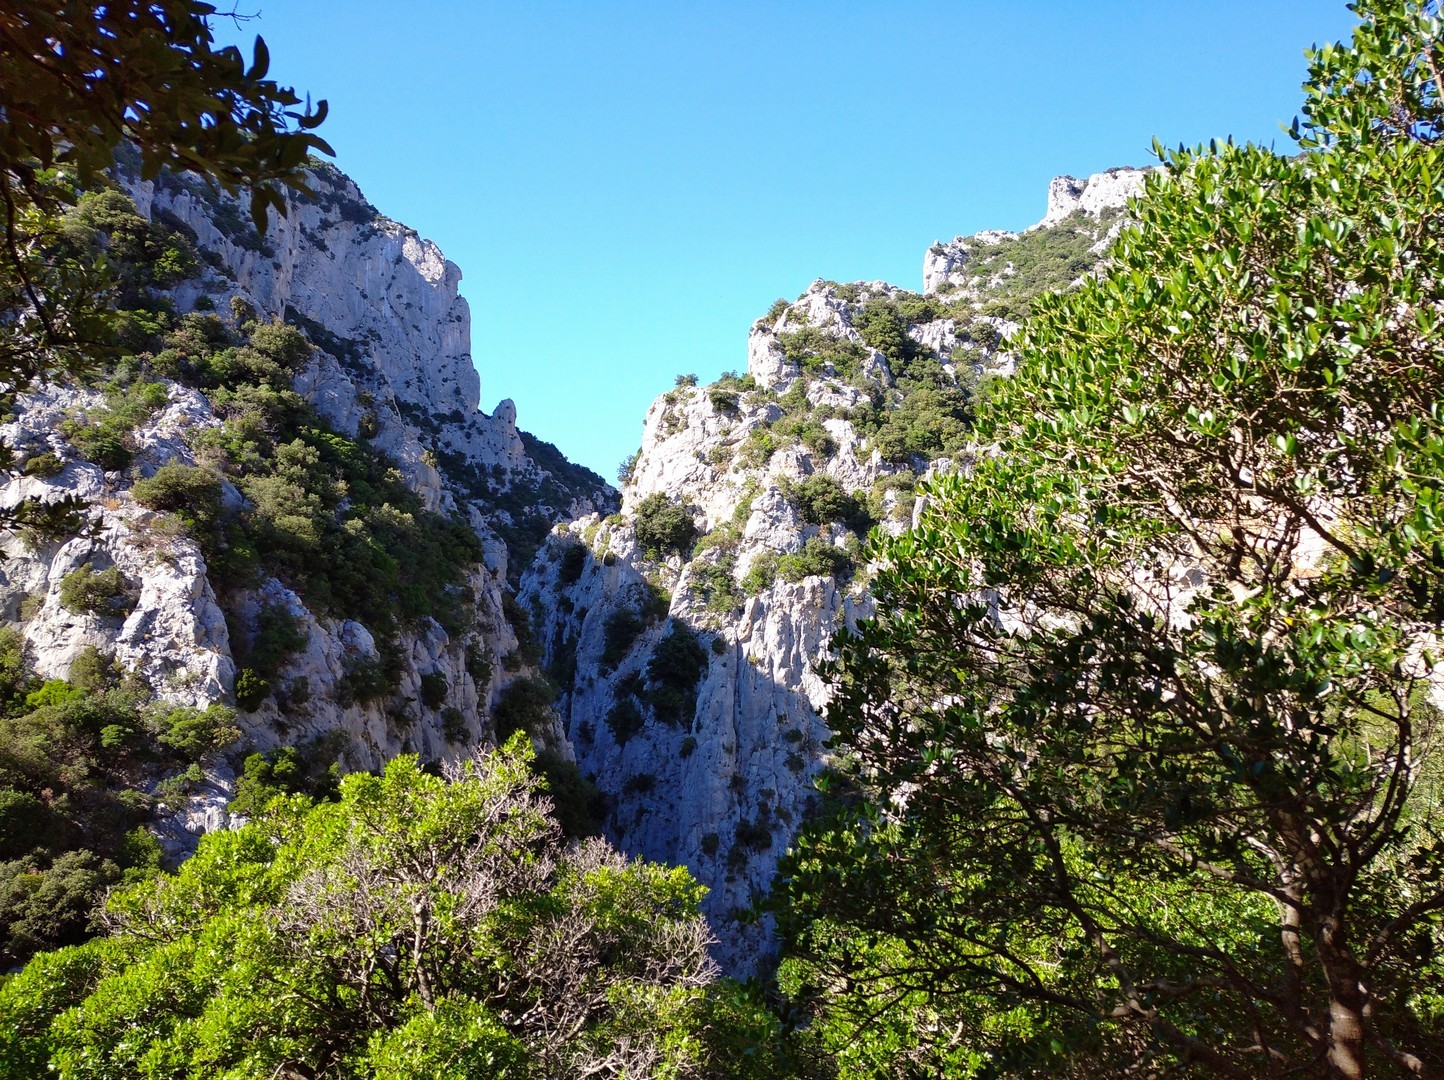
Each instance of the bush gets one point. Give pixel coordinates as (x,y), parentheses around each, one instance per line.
(815,351)
(285,771)
(677,664)
(625,719)
(93,671)
(251,689)
(478,666)
(679,659)
(821,500)
(282,344)
(640,784)
(619,634)
(41,524)
(278,636)
(453,725)
(573,562)
(259,970)
(723,401)
(525,705)
(520,622)
(366,679)
(86,590)
(754,835)
(761,574)
(757,449)
(817,558)
(628,466)
(433,689)
(714,583)
(105,435)
(193,733)
(575,800)
(43,466)
(662,525)
(188,490)
(928,422)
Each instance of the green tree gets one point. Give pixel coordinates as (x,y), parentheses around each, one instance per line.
(1142,771)
(417,927)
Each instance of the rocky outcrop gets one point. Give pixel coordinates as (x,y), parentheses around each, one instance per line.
(393,335)
(947,263)
(169,628)
(1111,190)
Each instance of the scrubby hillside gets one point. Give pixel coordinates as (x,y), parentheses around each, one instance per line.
(276,523)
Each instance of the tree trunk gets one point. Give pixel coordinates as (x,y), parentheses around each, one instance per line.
(1347,998)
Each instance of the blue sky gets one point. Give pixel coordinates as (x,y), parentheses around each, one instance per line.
(626,186)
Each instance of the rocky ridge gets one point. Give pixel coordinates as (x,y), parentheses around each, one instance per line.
(852,391)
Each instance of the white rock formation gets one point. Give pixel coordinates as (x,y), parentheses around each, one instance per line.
(392,353)
(1102,191)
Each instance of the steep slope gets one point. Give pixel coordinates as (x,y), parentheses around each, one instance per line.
(686,632)
(309,515)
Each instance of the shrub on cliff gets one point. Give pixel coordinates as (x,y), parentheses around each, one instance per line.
(663,526)
(79,766)
(96,592)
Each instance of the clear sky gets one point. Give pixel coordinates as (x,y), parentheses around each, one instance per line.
(626,186)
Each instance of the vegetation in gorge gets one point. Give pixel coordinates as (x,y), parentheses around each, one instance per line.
(418,926)
(1154,678)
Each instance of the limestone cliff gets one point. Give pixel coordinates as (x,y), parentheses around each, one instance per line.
(389,368)
(851,392)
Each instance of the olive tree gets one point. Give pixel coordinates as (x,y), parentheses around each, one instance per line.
(1140,763)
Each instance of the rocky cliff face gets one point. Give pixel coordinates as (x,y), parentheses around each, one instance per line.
(852,391)
(390,369)
(1098,198)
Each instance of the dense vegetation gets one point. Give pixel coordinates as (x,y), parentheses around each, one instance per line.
(418,926)
(1142,768)
(84,765)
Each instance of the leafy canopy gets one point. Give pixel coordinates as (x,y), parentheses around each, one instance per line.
(1141,758)
(419,926)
